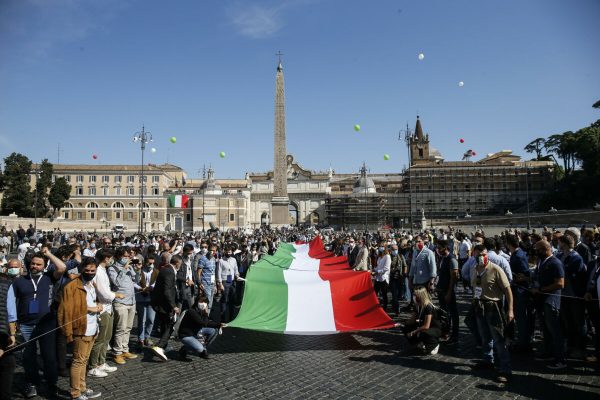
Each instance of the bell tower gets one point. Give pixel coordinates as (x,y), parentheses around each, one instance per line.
(419,146)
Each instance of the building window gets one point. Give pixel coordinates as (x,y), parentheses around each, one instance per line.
(168,217)
(155,191)
(118,215)
(231,217)
(118,191)
(65,214)
(105,191)
(104,178)
(130,191)
(421,153)
(155,215)
(92,178)
(79,191)
(67,178)
(188,217)
(144,215)
(118,179)
(79,215)
(130,179)
(130,215)
(155,179)
(79,178)
(92,214)
(92,191)
(105,214)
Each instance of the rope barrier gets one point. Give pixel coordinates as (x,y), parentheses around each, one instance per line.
(13,348)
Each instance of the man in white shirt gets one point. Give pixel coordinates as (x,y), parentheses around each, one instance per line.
(227,273)
(97,362)
(22,249)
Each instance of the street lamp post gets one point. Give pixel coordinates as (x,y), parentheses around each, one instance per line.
(35,202)
(143,137)
(527,193)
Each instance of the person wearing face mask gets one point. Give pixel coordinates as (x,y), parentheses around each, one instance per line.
(186,277)
(121,275)
(382,275)
(227,274)
(206,272)
(105,296)
(8,273)
(164,301)
(397,269)
(448,277)
(197,331)
(352,251)
(29,303)
(145,278)
(90,251)
(547,290)
(78,317)
(573,307)
(423,329)
(490,285)
(423,269)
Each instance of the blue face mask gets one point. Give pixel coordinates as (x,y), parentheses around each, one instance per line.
(381,249)
(395,252)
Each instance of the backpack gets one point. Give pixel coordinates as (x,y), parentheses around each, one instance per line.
(444,318)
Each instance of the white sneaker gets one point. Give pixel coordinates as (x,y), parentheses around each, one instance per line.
(107,368)
(97,373)
(435,351)
(159,351)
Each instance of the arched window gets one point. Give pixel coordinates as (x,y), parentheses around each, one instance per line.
(117,204)
(92,204)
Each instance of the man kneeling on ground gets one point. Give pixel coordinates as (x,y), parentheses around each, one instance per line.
(196,331)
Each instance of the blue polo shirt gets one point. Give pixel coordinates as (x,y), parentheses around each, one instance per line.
(549,270)
(24,292)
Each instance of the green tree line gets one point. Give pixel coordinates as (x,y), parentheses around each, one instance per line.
(577,158)
(44,200)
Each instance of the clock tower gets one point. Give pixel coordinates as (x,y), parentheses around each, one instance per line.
(419,146)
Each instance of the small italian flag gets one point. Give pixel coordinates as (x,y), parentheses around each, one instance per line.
(303,289)
(178,201)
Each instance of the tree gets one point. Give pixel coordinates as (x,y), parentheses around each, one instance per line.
(17,196)
(42,186)
(563,145)
(60,192)
(536,147)
(596,104)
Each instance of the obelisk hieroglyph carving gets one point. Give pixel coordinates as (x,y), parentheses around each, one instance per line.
(280,200)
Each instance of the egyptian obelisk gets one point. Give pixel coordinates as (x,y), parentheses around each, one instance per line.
(280,200)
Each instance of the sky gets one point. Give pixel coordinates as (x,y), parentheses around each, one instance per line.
(86,75)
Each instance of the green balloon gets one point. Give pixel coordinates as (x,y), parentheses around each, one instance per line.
(173,139)
(357,127)
(386,157)
(222,154)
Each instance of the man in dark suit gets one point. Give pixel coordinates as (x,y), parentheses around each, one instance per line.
(186,278)
(352,252)
(164,301)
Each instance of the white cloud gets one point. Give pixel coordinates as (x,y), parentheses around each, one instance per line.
(256,22)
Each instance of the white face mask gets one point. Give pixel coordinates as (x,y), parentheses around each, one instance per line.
(202,306)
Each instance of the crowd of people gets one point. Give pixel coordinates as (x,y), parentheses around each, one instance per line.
(80,293)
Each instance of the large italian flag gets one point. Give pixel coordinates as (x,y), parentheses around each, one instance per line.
(178,201)
(303,289)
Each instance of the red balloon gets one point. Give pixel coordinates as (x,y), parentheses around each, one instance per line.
(94,156)
(462,140)
(474,153)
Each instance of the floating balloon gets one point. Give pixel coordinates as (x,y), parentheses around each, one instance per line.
(357,127)
(462,140)
(94,157)
(386,157)
(153,150)
(222,154)
(474,153)
(421,56)
(173,139)
(461,84)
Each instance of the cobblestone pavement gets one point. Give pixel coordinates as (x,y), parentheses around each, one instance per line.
(364,365)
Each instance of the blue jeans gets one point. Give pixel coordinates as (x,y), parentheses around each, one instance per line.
(47,350)
(492,338)
(145,320)
(524,317)
(553,338)
(193,344)
(209,290)
(405,290)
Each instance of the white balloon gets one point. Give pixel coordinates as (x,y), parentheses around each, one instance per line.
(153,150)
(421,56)
(461,84)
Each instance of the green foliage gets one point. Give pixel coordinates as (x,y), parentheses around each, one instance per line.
(42,186)
(17,196)
(536,147)
(60,192)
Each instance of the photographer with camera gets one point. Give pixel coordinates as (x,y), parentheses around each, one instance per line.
(122,276)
